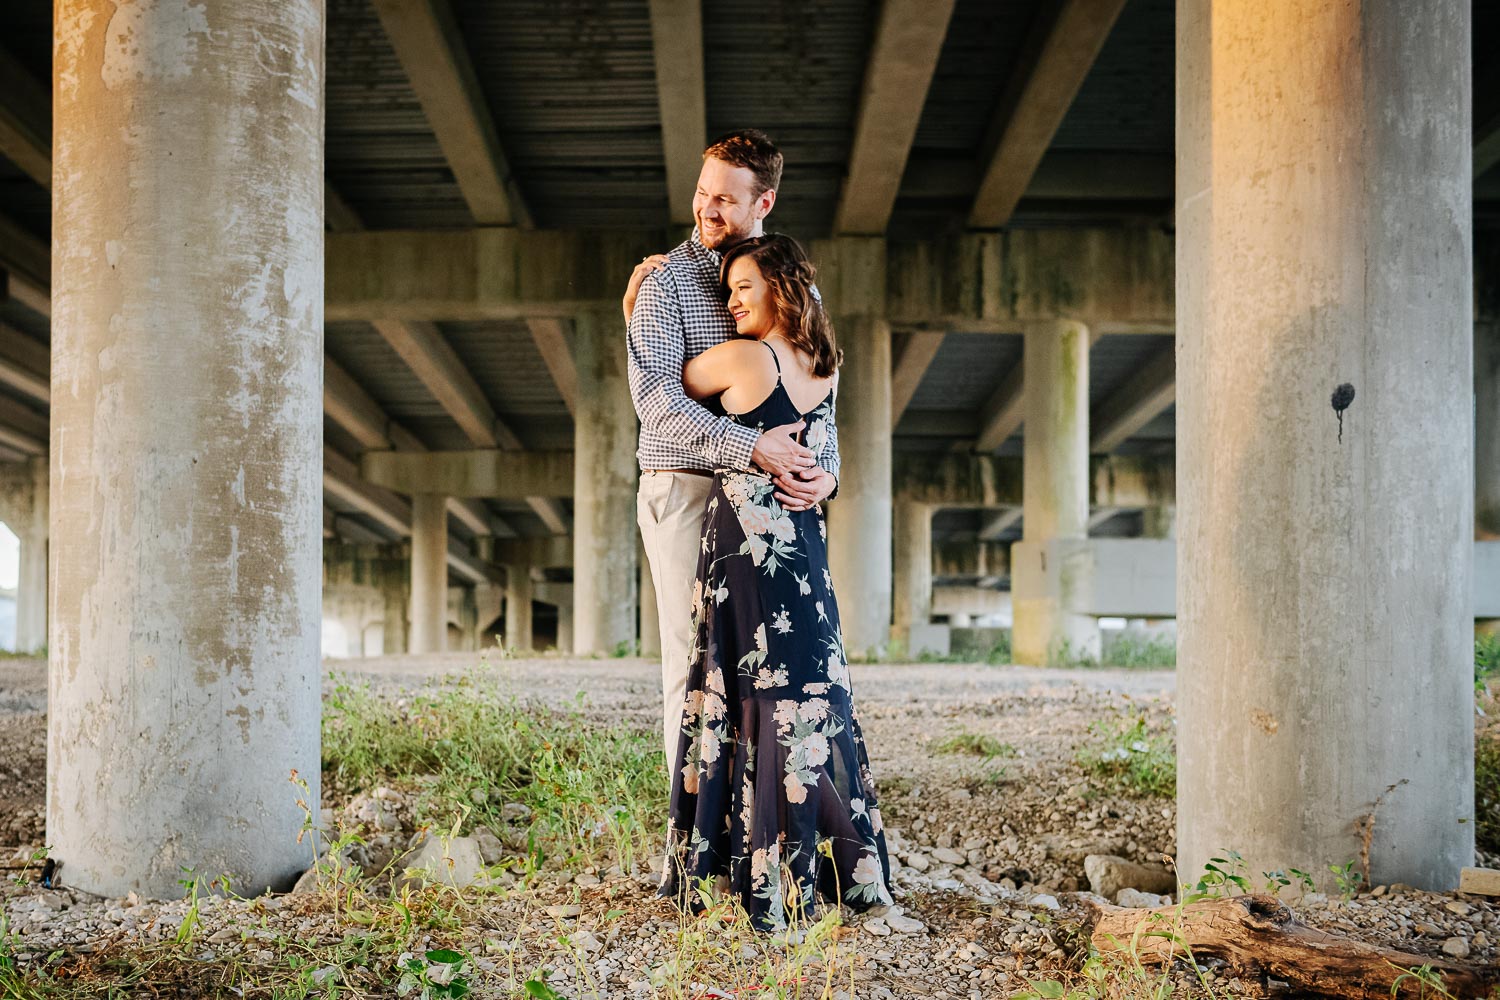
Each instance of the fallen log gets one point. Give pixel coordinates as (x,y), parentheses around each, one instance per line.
(1258,936)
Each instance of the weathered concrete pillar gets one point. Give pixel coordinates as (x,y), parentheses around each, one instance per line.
(1487,430)
(565,628)
(429,573)
(1324,560)
(851,277)
(31,579)
(604,531)
(1051,564)
(913,568)
(395,589)
(518,607)
(186,442)
(650,621)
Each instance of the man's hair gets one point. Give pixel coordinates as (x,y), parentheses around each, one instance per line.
(752,149)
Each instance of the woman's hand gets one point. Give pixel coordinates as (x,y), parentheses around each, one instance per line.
(655,262)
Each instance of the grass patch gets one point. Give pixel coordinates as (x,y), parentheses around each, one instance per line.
(1131,756)
(975,745)
(1486,657)
(469,748)
(1137,649)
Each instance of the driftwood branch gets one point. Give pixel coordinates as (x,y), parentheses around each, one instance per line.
(1258,936)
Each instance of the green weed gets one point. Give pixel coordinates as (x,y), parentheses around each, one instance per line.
(592,788)
(975,745)
(1132,757)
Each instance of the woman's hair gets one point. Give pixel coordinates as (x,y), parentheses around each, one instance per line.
(799,307)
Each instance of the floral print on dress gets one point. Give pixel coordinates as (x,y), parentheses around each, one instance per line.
(772,784)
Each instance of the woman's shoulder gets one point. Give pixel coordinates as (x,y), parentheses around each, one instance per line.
(743,351)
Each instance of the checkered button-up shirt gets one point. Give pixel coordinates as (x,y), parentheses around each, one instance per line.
(679,315)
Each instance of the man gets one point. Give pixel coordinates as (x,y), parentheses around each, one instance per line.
(677,314)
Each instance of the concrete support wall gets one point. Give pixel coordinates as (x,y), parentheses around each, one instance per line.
(1324,213)
(605,542)
(1049,567)
(1487,430)
(429,573)
(852,280)
(186,441)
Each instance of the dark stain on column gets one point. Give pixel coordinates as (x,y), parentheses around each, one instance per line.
(1342,397)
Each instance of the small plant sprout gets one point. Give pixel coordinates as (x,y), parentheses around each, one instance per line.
(1347,879)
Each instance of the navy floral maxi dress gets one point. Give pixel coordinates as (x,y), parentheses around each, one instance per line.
(771,763)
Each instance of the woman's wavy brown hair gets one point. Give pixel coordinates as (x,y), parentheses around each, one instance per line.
(799,307)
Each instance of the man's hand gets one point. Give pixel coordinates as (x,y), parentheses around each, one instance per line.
(803,490)
(655,262)
(778,452)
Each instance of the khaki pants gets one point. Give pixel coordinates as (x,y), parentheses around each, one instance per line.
(669,510)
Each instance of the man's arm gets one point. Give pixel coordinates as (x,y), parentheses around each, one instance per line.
(656,346)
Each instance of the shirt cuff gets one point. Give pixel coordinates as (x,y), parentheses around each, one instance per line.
(739,443)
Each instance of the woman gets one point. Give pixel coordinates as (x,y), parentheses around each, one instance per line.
(771,772)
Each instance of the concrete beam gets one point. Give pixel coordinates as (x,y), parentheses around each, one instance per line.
(551,338)
(1059,55)
(488,473)
(1144,396)
(338,215)
(25,364)
(349,406)
(677,45)
(921,347)
(1115,280)
(341,479)
(1102,514)
(538,553)
(907,42)
(1063,175)
(996,525)
(26,292)
(25,121)
(430,45)
(953,479)
(476,274)
(438,368)
(434,362)
(1004,411)
(24,255)
(469,566)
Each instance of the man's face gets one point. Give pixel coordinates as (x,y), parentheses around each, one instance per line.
(726,206)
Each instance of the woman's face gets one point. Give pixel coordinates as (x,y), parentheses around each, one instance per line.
(750,300)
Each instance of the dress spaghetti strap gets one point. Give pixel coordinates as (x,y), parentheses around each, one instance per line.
(775,360)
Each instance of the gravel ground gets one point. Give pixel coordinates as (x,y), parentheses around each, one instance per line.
(991,849)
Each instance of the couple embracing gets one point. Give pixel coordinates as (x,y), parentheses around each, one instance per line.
(734,373)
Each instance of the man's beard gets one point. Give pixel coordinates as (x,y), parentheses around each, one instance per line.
(725,238)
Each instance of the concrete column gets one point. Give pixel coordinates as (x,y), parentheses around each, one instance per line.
(604,483)
(186,441)
(1324,565)
(31,580)
(565,628)
(1487,430)
(1051,565)
(852,280)
(518,608)
(395,588)
(913,568)
(429,573)
(650,621)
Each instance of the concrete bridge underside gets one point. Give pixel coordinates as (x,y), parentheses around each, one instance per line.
(269,263)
